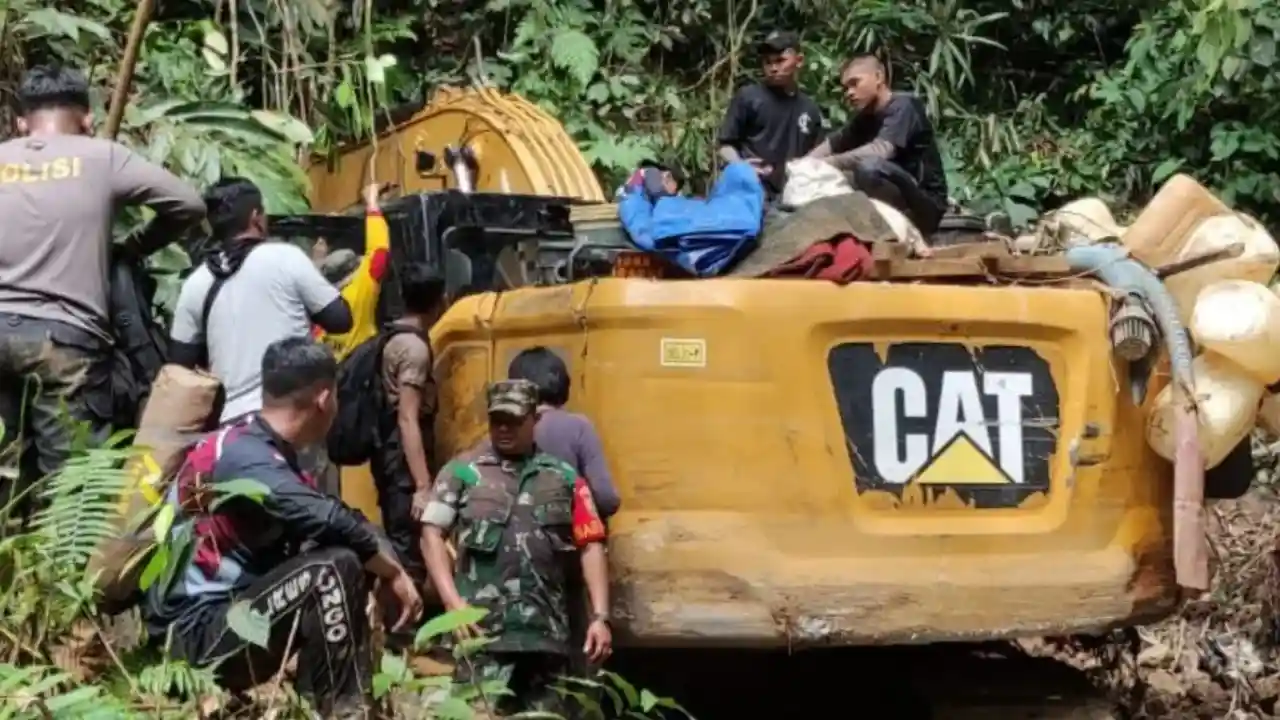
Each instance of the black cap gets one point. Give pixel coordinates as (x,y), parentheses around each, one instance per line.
(780,41)
(666,164)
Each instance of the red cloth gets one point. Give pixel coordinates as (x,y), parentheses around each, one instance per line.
(587,526)
(841,260)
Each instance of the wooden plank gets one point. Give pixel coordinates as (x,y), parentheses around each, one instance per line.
(972,267)
(889,251)
(985,249)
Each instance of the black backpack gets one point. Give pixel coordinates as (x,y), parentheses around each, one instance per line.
(362,403)
(141,345)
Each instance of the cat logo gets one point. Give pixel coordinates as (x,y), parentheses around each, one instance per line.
(943,417)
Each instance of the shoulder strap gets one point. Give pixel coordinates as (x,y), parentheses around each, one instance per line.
(216,287)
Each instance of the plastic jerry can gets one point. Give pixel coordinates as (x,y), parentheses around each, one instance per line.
(1089,217)
(1166,223)
(1227,398)
(1240,320)
(1257,263)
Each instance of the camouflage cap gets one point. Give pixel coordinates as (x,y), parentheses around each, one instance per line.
(513,397)
(339,266)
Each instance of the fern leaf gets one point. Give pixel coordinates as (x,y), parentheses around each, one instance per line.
(82,503)
(575,53)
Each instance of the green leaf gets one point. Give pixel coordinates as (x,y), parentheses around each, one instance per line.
(471,646)
(576,53)
(374,70)
(1231,66)
(155,567)
(287,125)
(452,708)
(447,623)
(628,690)
(215,41)
(1165,170)
(598,92)
(251,625)
(1262,51)
(344,96)
(163,522)
(648,700)
(239,488)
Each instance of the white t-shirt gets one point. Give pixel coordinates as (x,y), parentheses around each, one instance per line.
(272,296)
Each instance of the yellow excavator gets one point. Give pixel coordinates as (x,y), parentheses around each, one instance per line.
(945,453)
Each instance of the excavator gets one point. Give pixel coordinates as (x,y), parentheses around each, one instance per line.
(944,454)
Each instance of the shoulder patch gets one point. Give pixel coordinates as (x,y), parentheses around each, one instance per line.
(464,471)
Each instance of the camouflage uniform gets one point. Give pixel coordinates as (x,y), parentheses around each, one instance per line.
(512,522)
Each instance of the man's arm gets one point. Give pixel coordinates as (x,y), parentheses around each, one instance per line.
(733,128)
(589,535)
(135,180)
(902,121)
(444,500)
(591,459)
(323,302)
(408,420)
(878,148)
(304,512)
(187,347)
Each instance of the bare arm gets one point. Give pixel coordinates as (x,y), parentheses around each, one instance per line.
(407,419)
(595,572)
(443,504)
(436,555)
(383,565)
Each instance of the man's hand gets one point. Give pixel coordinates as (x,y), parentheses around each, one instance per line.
(373,192)
(319,251)
(599,645)
(464,632)
(420,500)
(409,599)
(760,167)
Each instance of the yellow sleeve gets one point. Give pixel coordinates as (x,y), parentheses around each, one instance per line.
(362,292)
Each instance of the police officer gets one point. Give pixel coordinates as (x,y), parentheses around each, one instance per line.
(516,515)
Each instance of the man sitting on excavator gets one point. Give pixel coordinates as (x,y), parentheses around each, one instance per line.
(889,146)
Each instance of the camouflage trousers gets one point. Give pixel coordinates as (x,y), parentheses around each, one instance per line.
(530,676)
(55,388)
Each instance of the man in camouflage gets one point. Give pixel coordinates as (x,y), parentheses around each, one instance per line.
(517,516)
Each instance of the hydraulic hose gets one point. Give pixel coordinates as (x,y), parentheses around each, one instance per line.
(1110,262)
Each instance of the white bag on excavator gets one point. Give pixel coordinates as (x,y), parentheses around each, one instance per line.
(809,179)
(182,406)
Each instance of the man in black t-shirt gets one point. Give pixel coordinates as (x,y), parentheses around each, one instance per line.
(888,146)
(771,122)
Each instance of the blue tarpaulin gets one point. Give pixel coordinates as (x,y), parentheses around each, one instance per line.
(702,235)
